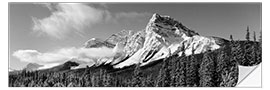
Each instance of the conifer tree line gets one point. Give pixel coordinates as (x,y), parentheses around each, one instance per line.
(218,68)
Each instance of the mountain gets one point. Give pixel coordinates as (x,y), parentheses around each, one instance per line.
(32,67)
(81,64)
(162,37)
(65,66)
(134,43)
(96,42)
(120,37)
(150,57)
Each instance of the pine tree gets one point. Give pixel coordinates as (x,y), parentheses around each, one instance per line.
(107,80)
(182,70)
(160,79)
(137,76)
(256,49)
(191,73)
(229,77)
(254,53)
(232,44)
(100,78)
(247,35)
(238,53)
(260,37)
(222,65)
(149,81)
(248,56)
(207,71)
(173,67)
(93,80)
(167,70)
(259,51)
(231,37)
(254,36)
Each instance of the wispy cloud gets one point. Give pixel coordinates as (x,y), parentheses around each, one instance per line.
(62,55)
(72,18)
(67,18)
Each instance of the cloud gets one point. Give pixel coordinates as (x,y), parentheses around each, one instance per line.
(49,65)
(62,55)
(67,18)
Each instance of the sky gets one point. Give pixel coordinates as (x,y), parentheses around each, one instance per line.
(45,33)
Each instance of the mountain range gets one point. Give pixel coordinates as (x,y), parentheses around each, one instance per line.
(163,37)
(165,53)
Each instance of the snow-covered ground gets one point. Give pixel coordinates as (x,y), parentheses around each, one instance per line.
(249,76)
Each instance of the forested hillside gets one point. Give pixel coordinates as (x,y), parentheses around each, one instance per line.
(212,69)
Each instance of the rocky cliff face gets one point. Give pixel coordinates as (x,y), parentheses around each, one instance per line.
(162,37)
(120,37)
(96,43)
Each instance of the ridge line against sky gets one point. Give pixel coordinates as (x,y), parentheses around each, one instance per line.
(69,18)
(43,30)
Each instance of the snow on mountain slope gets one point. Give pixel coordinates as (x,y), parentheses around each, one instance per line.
(162,37)
(96,42)
(165,36)
(120,37)
(47,66)
(134,43)
(131,60)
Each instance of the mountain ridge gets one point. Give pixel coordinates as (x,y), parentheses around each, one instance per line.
(162,37)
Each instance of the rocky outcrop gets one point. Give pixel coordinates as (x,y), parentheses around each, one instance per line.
(96,43)
(162,37)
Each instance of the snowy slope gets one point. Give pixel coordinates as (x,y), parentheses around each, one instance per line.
(96,43)
(162,37)
(165,36)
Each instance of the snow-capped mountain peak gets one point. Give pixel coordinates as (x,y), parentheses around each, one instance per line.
(163,37)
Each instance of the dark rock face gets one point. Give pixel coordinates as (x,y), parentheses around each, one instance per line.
(62,67)
(203,61)
(134,43)
(120,37)
(70,64)
(168,22)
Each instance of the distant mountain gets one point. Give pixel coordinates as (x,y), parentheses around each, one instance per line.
(32,67)
(120,37)
(165,47)
(65,66)
(162,38)
(82,64)
(96,43)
